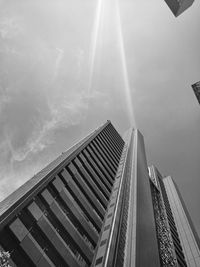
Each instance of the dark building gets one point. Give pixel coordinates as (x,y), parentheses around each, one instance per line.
(196,89)
(178,6)
(95,205)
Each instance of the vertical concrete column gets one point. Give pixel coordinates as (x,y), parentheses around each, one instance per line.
(146,242)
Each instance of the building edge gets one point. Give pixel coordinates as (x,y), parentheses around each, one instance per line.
(147,253)
(19,198)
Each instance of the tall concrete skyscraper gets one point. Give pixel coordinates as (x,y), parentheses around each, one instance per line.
(98,205)
(179,6)
(196,89)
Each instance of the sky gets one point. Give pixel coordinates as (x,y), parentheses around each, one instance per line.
(68,66)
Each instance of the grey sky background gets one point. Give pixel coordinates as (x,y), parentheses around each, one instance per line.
(45,101)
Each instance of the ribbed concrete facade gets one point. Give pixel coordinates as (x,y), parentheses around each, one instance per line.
(56,218)
(187,234)
(95,205)
(78,211)
(129,234)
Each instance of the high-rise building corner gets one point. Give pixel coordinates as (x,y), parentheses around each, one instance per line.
(178,6)
(196,89)
(176,234)
(98,205)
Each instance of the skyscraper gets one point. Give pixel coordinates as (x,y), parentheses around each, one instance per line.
(96,205)
(196,89)
(179,6)
(182,237)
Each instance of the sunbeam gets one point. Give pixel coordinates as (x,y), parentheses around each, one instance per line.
(94,42)
(127,89)
(104,36)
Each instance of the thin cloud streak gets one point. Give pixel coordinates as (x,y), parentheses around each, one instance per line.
(10,27)
(60,54)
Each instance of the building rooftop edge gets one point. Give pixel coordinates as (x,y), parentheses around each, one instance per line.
(47,171)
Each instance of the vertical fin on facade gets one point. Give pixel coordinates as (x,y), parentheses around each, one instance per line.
(187,235)
(55,219)
(97,205)
(129,228)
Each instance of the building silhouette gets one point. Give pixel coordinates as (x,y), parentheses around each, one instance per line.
(178,6)
(196,89)
(98,204)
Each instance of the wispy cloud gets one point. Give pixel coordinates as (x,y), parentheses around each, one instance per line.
(63,113)
(8,181)
(59,57)
(4,98)
(10,27)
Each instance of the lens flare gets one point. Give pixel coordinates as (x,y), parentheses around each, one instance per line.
(98,23)
(102,22)
(127,88)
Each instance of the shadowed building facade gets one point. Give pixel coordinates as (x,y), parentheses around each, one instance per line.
(95,205)
(178,6)
(196,89)
(176,233)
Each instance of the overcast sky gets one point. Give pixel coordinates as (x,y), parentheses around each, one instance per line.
(60,79)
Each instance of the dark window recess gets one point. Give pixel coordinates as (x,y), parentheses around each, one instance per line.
(73,219)
(94,177)
(109,215)
(98,172)
(109,151)
(101,159)
(41,238)
(85,191)
(107,227)
(107,146)
(80,204)
(103,242)
(100,166)
(104,157)
(98,261)
(58,227)
(90,187)
(113,144)
(11,244)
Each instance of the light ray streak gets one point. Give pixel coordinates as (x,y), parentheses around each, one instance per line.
(95,38)
(96,32)
(125,71)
